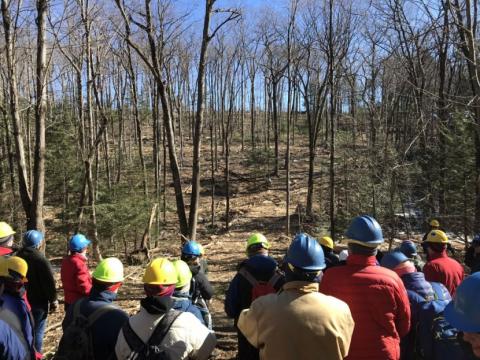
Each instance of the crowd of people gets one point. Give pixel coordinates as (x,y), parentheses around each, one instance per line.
(313,304)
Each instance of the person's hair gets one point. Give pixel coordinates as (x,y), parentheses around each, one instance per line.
(437,247)
(293,273)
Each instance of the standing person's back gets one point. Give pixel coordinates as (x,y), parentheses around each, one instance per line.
(41,289)
(76,278)
(201,291)
(299,322)
(439,267)
(180,334)
(424,297)
(239,294)
(376,296)
(107,279)
(14,308)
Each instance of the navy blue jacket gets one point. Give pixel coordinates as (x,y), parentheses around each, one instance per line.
(239,293)
(239,296)
(182,302)
(105,330)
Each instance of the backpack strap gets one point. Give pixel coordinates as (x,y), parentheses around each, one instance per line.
(163,327)
(248,276)
(133,340)
(136,344)
(273,280)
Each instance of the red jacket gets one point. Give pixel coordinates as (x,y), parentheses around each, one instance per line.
(76,278)
(440,268)
(379,305)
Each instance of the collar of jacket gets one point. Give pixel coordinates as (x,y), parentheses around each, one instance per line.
(355,259)
(438,255)
(79,256)
(102,295)
(302,286)
(157,304)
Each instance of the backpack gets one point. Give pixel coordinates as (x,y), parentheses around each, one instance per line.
(260,288)
(438,339)
(152,348)
(76,342)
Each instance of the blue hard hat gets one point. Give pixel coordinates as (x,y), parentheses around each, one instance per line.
(32,238)
(409,248)
(78,242)
(393,259)
(305,253)
(191,248)
(365,230)
(463,311)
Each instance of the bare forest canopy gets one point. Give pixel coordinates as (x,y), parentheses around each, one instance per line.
(120,114)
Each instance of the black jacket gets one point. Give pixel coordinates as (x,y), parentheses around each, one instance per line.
(41,283)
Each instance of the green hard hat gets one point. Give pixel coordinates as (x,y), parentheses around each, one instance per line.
(258,238)
(109,270)
(184,275)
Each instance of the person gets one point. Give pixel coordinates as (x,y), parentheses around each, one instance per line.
(107,280)
(15,310)
(409,249)
(76,278)
(239,293)
(181,295)
(331,259)
(423,296)
(472,255)
(299,322)
(201,291)
(376,296)
(6,239)
(12,344)
(186,337)
(433,225)
(41,287)
(464,313)
(439,267)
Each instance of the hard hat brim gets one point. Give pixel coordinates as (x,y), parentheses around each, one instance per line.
(460,320)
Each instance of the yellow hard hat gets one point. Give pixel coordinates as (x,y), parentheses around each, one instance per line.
(184,275)
(16,268)
(327,242)
(109,270)
(160,272)
(5,230)
(437,236)
(258,238)
(434,223)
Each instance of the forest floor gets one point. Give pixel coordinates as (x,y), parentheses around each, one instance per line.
(257,205)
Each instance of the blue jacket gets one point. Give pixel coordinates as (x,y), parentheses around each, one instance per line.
(15,312)
(105,330)
(423,296)
(12,347)
(182,302)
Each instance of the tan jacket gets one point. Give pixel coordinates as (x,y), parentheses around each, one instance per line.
(187,338)
(298,323)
